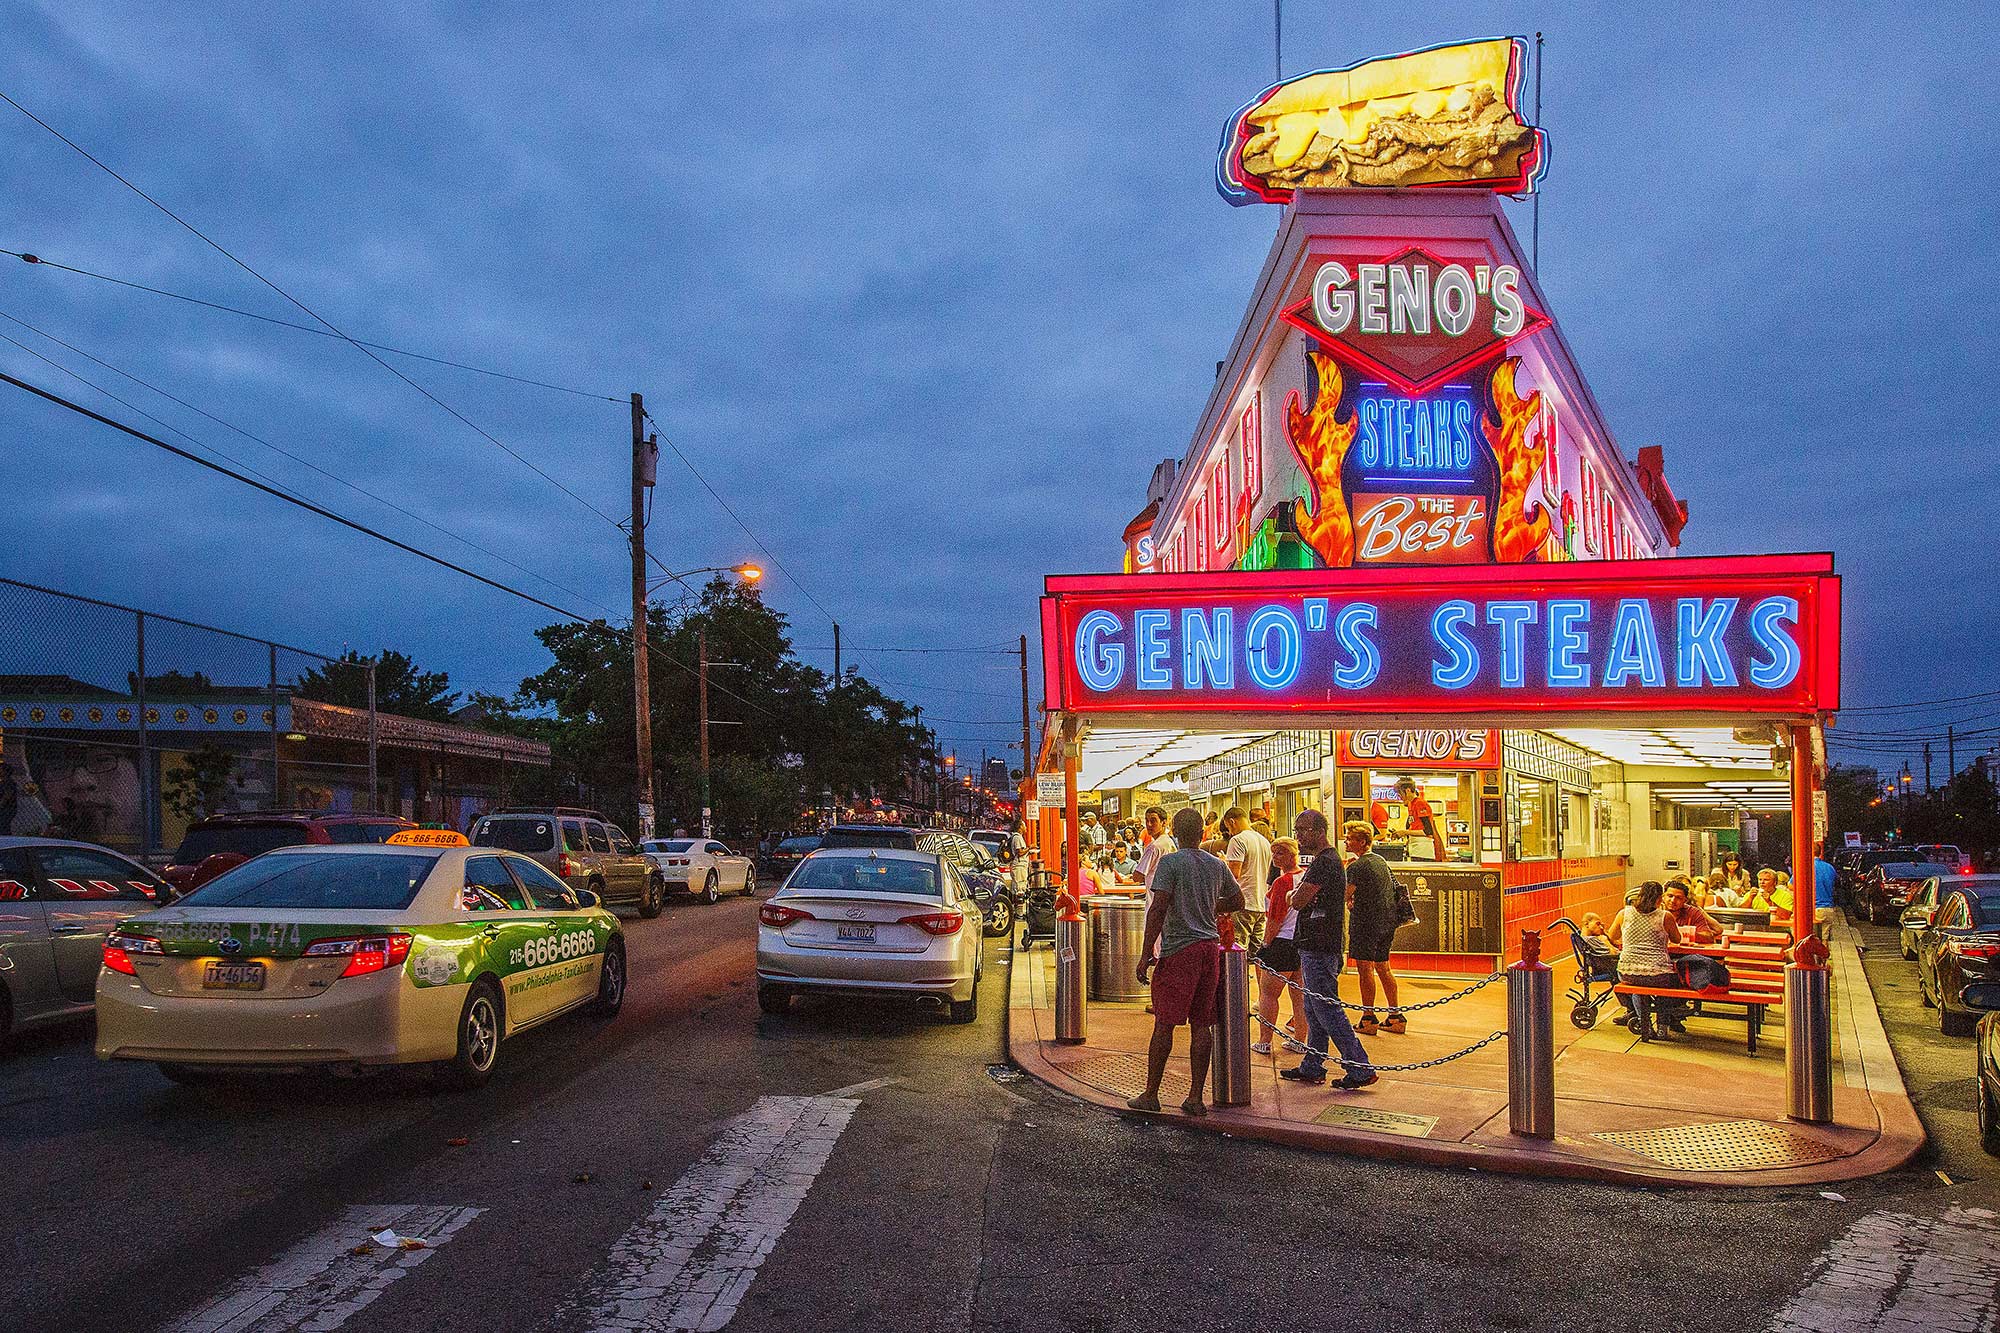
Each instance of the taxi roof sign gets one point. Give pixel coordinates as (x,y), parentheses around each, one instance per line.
(427,837)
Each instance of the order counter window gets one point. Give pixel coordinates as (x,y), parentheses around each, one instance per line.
(1423,816)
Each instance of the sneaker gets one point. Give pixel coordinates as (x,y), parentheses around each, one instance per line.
(1396,1024)
(1300,1075)
(1359,1079)
(1261,1047)
(1296,1047)
(1367,1027)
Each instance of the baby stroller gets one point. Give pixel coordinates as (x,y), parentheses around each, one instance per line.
(1038,918)
(1596,962)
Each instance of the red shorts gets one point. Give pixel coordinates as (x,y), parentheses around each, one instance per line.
(1184,985)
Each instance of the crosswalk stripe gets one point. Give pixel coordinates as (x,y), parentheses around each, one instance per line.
(686,1267)
(320,1283)
(1900,1271)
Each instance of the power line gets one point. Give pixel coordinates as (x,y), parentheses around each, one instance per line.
(46,262)
(1923,704)
(322,511)
(258,439)
(222,250)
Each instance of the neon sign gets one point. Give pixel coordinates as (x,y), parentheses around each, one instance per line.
(1423,439)
(1435,747)
(1703,636)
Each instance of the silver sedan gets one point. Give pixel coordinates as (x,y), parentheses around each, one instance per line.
(58,901)
(871,920)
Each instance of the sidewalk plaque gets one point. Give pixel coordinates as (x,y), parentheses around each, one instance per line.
(1378,1122)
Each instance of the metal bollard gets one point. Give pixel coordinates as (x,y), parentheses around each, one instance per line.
(1809,1045)
(1531,1043)
(1069,978)
(1229,1066)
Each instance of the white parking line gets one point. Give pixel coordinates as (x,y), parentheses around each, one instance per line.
(1899,1271)
(856,1089)
(687,1266)
(320,1283)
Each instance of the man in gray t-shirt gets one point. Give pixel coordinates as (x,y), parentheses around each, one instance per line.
(1189,887)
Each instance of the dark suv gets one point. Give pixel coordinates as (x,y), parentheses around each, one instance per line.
(991,886)
(220,842)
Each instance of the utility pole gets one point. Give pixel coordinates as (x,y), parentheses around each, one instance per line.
(1927,768)
(1950,754)
(836,654)
(701,692)
(644,452)
(1027,755)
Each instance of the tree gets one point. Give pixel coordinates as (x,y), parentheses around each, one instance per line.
(399,686)
(780,732)
(195,788)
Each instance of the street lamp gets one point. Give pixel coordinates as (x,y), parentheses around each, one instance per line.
(749,573)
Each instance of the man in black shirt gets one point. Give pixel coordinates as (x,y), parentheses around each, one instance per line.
(1320,899)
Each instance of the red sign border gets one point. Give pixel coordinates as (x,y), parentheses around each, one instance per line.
(1344,757)
(1821,649)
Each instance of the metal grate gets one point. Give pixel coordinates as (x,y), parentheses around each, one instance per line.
(1723,1145)
(1115,1071)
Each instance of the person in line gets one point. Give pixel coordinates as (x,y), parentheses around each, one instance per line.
(1121,859)
(1190,887)
(1320,901)
(1642,932)
(1017,862)
(1091,833)
(1160,846)
(1694,924)
(1371,925)
(1248,856)
(1825,877)
(1211,834)
(1279,961)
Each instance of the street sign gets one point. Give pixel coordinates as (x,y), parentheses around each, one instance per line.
(1032,811)
(645,820)
(1049,788)
(1819,814)
(1853,841)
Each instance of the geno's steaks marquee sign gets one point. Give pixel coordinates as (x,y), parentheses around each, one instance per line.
(1733,635)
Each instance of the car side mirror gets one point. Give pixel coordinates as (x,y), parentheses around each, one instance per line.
(1981,995)
(586,900)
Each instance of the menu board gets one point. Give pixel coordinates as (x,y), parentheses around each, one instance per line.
(1458,910)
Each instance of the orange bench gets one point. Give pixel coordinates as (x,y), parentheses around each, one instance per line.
(1756,981)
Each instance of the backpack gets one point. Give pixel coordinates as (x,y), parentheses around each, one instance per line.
(1406,910)
(1700,973)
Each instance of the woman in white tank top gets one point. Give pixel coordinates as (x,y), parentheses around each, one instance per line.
(1642,932)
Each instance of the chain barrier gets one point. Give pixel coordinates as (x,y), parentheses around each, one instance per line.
(1395,1008)
(1293,1044)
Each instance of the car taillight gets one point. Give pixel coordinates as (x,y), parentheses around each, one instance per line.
(119,948)
(1979,950)
(564,866)
(364,953)
(935,923)
(773,915)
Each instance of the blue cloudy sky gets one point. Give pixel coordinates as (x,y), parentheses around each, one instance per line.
(926,290)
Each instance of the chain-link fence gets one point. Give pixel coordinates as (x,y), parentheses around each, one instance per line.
(121,726)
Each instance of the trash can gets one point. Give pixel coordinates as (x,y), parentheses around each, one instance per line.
(1117,934)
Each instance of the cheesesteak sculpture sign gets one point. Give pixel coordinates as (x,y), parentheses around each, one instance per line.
(1737,635)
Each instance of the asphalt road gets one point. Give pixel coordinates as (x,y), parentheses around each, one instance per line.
(937,1191)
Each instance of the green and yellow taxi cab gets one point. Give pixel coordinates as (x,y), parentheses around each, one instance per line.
(419,950)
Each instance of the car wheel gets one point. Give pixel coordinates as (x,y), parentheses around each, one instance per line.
(774,999)
(479,1036)
(1000,920)
(1909,954)
(964,1011)
(1923,991)
(655,896)
(611,980)
(1954,1024)
(711,889)
(1989,1120)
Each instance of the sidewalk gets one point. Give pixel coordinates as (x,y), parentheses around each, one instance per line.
(1698,1111)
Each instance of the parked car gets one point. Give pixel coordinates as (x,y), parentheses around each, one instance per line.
(701,866)
(780,861)
(356,956)
(992,887)
(583,849)
(1887,887)
(1984,998)
(1946,854)
(1917,914)
(58,901)
(1960,948)
(873,920)
(222,842)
